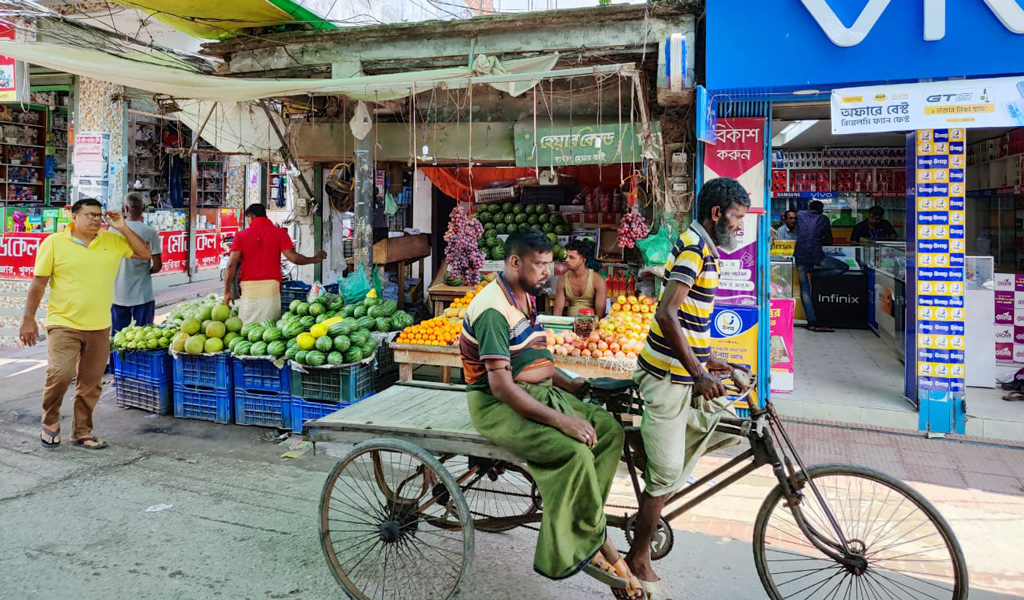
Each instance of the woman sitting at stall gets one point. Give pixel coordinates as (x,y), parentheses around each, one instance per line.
(581,286)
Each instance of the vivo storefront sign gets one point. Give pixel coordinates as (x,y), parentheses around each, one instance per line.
(794,45)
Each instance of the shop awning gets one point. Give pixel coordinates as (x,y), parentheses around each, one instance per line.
(150,72)
(226,18)
(236,127)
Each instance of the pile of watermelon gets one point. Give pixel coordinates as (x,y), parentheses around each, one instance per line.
(513,217)
(324,332)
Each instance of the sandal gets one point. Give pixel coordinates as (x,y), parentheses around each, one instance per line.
(53,434)
(654,590)
(820,329)
(90,442)
(624,584)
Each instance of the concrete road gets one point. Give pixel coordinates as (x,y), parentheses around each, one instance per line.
(183,509)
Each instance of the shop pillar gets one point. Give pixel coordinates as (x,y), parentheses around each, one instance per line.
(364,178)
(935,332)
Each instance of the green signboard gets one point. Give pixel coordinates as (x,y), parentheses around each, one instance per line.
(582,144)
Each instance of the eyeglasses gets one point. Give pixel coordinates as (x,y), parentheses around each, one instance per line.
(93,216)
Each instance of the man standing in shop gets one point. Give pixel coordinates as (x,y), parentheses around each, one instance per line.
(133,288)
(787,230)
(256,255)
(675,371)
(80,265)
(874,228)
(813,233)
(156,202)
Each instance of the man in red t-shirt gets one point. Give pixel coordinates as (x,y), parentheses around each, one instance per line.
(258,249)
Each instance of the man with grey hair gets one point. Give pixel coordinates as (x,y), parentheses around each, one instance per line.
(133,288)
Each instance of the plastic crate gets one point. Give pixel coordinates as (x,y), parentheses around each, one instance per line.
(154,397)
(385,353)
(265,409)
(335,385)
(261,376)
(383,379)
(202,370)
(293,290)
(146,365)
(205,404)
(304,410)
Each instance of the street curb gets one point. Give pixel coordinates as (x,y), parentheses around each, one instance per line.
(949,437)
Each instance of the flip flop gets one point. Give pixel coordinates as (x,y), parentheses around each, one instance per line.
(54,435)
(617,576)
(83,442)
(654,590)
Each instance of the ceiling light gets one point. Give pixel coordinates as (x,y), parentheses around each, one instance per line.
(791,131)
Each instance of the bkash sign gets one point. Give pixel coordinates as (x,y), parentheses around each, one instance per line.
(820,44)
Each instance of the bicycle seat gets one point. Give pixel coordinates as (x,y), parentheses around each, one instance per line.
(611,385)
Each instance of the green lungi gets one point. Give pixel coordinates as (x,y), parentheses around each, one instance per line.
(573,479)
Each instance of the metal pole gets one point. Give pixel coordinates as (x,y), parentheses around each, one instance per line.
(362,244)
(193,210)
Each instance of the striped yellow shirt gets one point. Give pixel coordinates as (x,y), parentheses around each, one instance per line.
(694,262)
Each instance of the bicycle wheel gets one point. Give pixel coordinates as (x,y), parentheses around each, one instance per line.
(376,515)
(898,544)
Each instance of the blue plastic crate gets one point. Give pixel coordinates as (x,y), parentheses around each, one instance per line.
(265,409)
(205,404)
(210,371)
(154,397)
(146,365)
(306,410)
(293,290)
(261,375)
(338,385)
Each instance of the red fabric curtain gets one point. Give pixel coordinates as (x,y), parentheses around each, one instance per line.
(460,183)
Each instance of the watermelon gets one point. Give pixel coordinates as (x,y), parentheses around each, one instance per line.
(291,352)
(373,312)
(300,356)
(368,348)
(388,308)
(383,324)
(292,329)
(348,310)
(371,301)
(324,344)
(337,303)
(359,337)
(353,354)
(234,342)
(341,343)
(335,359)
(323,299)
(267,323)
(272,334)
(302,309)
(359,312)
(316,358)
(276,349)
(337,329)
(247,328)
(242,348)
(258,349)
(321,318)
(364,323)
(294,306)
(316,309)
(255,334)
(293,342)
(307,322)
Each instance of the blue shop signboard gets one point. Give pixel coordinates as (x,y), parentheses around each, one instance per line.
(797,45)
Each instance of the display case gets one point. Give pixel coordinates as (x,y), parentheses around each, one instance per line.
(889,258)
(886,264)
(782,277)
(980,272)
(994,227)
(844,209)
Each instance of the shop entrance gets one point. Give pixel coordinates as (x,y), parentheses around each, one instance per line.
(860,181)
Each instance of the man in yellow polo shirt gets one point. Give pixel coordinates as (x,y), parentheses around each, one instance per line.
(80,264)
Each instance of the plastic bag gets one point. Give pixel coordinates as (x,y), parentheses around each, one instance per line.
(354,286)
(390,206)
(657,247)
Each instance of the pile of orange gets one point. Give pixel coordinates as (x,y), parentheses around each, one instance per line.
(434,332)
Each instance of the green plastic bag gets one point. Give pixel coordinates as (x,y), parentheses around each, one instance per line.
(354,286)
(657,247)
(390,206)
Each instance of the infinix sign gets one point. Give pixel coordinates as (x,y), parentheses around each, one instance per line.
(1009,13)
(820,44)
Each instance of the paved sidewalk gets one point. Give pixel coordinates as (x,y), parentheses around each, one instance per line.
(188,291)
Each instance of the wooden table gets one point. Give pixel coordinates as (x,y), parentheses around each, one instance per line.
(443,295)
(432,416)
(399,252)
(409,356)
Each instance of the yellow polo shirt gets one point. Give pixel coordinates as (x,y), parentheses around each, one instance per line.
(81,279)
